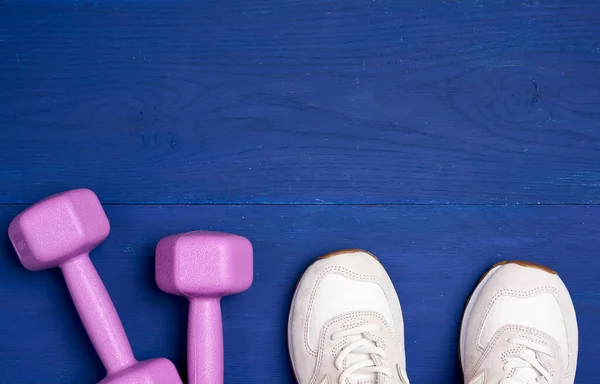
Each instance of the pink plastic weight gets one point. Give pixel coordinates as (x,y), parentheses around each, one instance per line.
(204,266)
(59,231)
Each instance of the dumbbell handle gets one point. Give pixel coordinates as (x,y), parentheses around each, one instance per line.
(97,313)
(205,342)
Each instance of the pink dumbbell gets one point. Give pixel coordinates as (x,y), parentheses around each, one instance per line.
(59,231)
(204,266)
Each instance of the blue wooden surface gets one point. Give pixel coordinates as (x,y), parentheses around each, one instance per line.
(302,102)
(441,135)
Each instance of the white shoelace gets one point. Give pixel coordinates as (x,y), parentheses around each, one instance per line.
(359,351)
(527,363)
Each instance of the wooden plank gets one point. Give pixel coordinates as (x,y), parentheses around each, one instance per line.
(434,254)
(470,102)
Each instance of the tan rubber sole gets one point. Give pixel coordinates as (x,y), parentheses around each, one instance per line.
(522,263)
(336,253)
(341,252)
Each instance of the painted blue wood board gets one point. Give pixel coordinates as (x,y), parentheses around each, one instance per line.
(387,102)
(441,135)
(434,254)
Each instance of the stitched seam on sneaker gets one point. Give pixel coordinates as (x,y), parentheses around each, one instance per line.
(498,334)
(514,293)
(330,323)
(530,293)
(334,269)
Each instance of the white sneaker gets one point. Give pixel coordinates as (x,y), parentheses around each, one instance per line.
(519,327)
(345,323)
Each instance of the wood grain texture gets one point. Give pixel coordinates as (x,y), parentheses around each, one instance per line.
(464,102)
(434,254)
(423,131)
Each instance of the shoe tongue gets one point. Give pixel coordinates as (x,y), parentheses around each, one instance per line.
(527,375)
(360,377)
